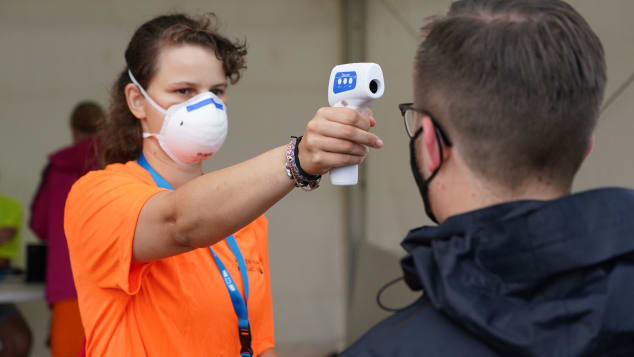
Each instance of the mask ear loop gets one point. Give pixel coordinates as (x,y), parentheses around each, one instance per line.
(440,141)
(382,290)
(147,96)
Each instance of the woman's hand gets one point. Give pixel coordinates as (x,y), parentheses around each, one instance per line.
(336,137)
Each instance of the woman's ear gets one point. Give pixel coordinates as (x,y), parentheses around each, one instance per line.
(430,142)
(135,100)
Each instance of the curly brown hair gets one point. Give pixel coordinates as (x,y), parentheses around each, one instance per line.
(122,136)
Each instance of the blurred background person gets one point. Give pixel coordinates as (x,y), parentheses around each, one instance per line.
(15,335)
(47,222)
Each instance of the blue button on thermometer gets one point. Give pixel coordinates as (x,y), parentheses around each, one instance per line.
(344,81)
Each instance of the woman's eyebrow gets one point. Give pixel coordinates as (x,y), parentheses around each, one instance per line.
(193,84)
(184,83)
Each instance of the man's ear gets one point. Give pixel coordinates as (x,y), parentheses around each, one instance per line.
(135,100)
(430,142)
(590,146)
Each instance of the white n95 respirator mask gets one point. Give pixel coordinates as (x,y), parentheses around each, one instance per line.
(193,130)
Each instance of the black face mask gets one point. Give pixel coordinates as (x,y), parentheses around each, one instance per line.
(423,185)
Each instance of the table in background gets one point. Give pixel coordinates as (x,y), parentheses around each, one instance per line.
(14,289)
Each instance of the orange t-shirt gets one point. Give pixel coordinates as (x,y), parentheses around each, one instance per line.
(176,306)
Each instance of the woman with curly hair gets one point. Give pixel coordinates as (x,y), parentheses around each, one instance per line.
(169,260)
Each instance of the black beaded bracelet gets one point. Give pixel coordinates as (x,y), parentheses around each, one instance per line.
(302,179)
(303,173)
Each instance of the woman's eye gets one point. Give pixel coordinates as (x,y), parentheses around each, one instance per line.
(184,91)
(218,91)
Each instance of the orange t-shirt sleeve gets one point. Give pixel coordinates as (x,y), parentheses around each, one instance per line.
(100,219)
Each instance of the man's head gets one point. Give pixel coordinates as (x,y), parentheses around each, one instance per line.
(86,120)
(516,84)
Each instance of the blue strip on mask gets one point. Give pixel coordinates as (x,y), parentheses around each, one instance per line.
(203,103)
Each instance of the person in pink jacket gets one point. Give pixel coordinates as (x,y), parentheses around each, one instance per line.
(47,221)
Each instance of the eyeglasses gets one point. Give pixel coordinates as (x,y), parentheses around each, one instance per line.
(412,117)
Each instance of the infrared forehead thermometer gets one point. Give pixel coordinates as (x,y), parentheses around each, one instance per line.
(353,85)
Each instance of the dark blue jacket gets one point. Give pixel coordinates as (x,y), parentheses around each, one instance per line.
(527,278)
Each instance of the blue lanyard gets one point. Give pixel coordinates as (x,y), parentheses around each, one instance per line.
(239,304)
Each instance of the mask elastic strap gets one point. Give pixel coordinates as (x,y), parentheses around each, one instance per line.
(428,208)
(147,96)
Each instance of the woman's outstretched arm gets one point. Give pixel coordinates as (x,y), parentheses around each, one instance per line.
(213,206)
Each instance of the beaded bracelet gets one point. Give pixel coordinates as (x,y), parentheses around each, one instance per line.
(294,171)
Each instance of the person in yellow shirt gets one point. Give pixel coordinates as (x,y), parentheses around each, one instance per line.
(10,224)
(15,335)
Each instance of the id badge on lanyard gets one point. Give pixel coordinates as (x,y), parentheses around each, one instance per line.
(239,304)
